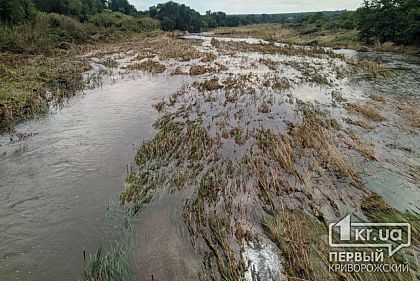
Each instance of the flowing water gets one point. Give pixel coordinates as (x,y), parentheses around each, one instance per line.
(59,187)
(60,182)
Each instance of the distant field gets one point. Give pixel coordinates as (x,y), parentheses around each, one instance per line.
(277,32)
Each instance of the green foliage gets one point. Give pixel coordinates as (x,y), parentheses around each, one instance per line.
(318,18)
(46,32)
(49,32)
(16,11)
(176,16)
(82,9)
(122,6)
(390,20)
(114,265)
(123,22)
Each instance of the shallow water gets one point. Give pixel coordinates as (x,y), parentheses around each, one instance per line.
(389,177)
(57,186)
(163,249)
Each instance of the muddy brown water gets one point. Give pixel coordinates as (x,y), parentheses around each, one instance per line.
(59,186)
(163,248)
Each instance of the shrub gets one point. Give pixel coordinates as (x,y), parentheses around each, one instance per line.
(123,22)
(46,32)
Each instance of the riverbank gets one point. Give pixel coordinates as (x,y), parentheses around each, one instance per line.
(333,38)
(42,63)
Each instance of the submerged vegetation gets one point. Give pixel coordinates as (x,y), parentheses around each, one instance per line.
(261,164)
(268,138)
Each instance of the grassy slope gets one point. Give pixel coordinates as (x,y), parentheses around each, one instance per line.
(40,62)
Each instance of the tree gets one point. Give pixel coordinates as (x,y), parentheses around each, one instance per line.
(16,11)
(389,20)
(122,6)
(365,15)
(74,8)
(177,16)
(167,24)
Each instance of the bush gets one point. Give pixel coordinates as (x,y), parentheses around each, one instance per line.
(123,22)
(46,32)
(149,24)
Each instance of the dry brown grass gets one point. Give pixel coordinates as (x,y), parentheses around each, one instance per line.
(25,79)
(272,65)
(230,47)
(209,85)
(200,70)
(296,234)
(208,57)
(149,65)
(367,110)
(306,254)
(110,63)
(311,134)
(269,32)
(278,148)
(377,98)
(394,48)
(365,149)
(277,32)
(178,71)
(361,123)
(411,112)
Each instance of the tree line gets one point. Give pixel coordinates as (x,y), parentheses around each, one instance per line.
(174,16)
(377,20)
(390,20)
(18,11)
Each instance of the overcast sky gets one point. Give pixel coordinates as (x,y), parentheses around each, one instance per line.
(258,6)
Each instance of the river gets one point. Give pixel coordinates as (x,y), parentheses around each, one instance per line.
(60,183)
(59,187)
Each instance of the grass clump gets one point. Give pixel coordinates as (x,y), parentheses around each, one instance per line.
(313,134)
(366,110)
(411,111)
(210,85)
(113,265)
(28,84)
(149,65)
(361,123)
(200,70)
(208,57)
(108,267)
(278,148)
(110,63)
(377,210)
(377,98)
(298,237)
(272,65)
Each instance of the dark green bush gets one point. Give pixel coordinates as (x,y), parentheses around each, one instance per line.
(45,33)
(123,22)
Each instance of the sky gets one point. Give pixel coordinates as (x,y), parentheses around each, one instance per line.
(258,6)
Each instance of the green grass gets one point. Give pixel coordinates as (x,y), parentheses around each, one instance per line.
(116,264)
